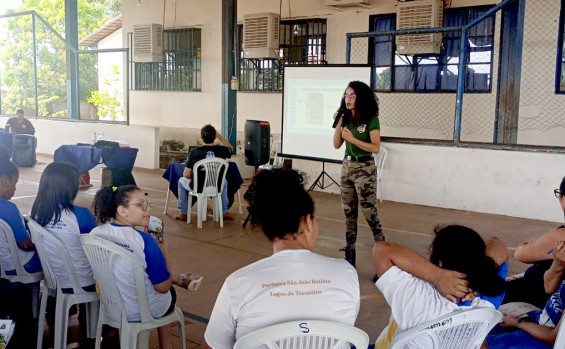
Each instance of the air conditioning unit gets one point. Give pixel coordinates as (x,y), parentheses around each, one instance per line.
(339,4)
(261,35)
(416,15)
(148,43)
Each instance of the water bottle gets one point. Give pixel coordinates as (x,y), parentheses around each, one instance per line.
(94,139)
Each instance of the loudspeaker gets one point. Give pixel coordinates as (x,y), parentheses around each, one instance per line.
(257,134)
(23,150)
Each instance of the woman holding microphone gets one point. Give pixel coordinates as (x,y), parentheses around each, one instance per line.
(359,128)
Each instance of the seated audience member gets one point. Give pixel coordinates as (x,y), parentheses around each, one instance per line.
(208,150)
(53,209)
(530,288)
(539,329)
(16,304)
(294,283)
(461,267)
(9,175)
(120,210)
(19,124)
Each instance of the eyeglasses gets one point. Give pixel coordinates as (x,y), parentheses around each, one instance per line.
(144,205)
(351,96)
(557,193)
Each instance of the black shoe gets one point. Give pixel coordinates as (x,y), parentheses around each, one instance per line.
(349,255)
(375,278)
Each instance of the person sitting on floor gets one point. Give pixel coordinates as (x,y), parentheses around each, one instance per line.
(208,150)
(538,330)
(19,124)
(27,254)
(530,287)
(294,283)
(461,266)
(120,210)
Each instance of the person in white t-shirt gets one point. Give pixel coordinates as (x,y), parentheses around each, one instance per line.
(463,272)
(294,283)
(120,210)
(53,209)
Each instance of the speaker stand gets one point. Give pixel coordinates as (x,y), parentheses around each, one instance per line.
(320,180)
(249,214)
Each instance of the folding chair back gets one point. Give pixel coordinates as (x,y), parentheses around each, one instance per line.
(32,279)
(463,329)
(102,255)
(304,334)
(211,186)
(380,159)
(47,245)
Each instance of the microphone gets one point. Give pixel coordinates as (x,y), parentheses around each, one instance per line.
(340,114)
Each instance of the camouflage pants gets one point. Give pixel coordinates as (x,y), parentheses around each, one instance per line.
(359,187)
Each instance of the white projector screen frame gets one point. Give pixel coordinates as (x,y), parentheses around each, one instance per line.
(311,95)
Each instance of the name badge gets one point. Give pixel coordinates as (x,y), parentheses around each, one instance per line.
(361,128)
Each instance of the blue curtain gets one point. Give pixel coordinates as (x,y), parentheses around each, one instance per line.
(441,76)
(383,44)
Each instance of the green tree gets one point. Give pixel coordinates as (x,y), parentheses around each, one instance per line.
(16,54)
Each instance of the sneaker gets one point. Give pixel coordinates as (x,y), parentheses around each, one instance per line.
(180,217)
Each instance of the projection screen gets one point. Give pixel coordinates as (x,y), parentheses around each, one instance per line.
(311,96)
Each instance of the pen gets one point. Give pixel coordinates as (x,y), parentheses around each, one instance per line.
(548,252)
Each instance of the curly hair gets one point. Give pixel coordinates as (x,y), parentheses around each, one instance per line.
(278,202)
(365,103)
(462,249)
(107,200)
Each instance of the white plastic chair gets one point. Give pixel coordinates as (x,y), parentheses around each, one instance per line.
(464,329)
(31,279)
(64,300)
(277,160)
(215,170)
(102,255)
(380,159)
(305,334)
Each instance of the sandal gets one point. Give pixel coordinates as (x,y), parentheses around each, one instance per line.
(193,284)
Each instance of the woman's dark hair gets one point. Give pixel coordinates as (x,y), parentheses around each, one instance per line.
(7,168)
(208,134)
(107,200)
(462,249)
(58,188)
(562,186)
(365,103)
(278,202)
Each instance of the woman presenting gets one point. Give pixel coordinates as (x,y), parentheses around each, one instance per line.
(360,129)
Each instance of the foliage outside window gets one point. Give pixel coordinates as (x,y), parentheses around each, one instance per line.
(180,69)
(17,79)
(108,100)
(300,42)
(434,72)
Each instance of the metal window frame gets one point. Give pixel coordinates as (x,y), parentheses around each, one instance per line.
(181,67)
(269,71)
(414,89)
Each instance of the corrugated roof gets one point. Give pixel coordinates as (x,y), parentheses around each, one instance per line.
(102,32)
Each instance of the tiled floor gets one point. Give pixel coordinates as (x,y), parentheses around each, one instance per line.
(215,252)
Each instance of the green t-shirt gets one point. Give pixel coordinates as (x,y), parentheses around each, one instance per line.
(361,132)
